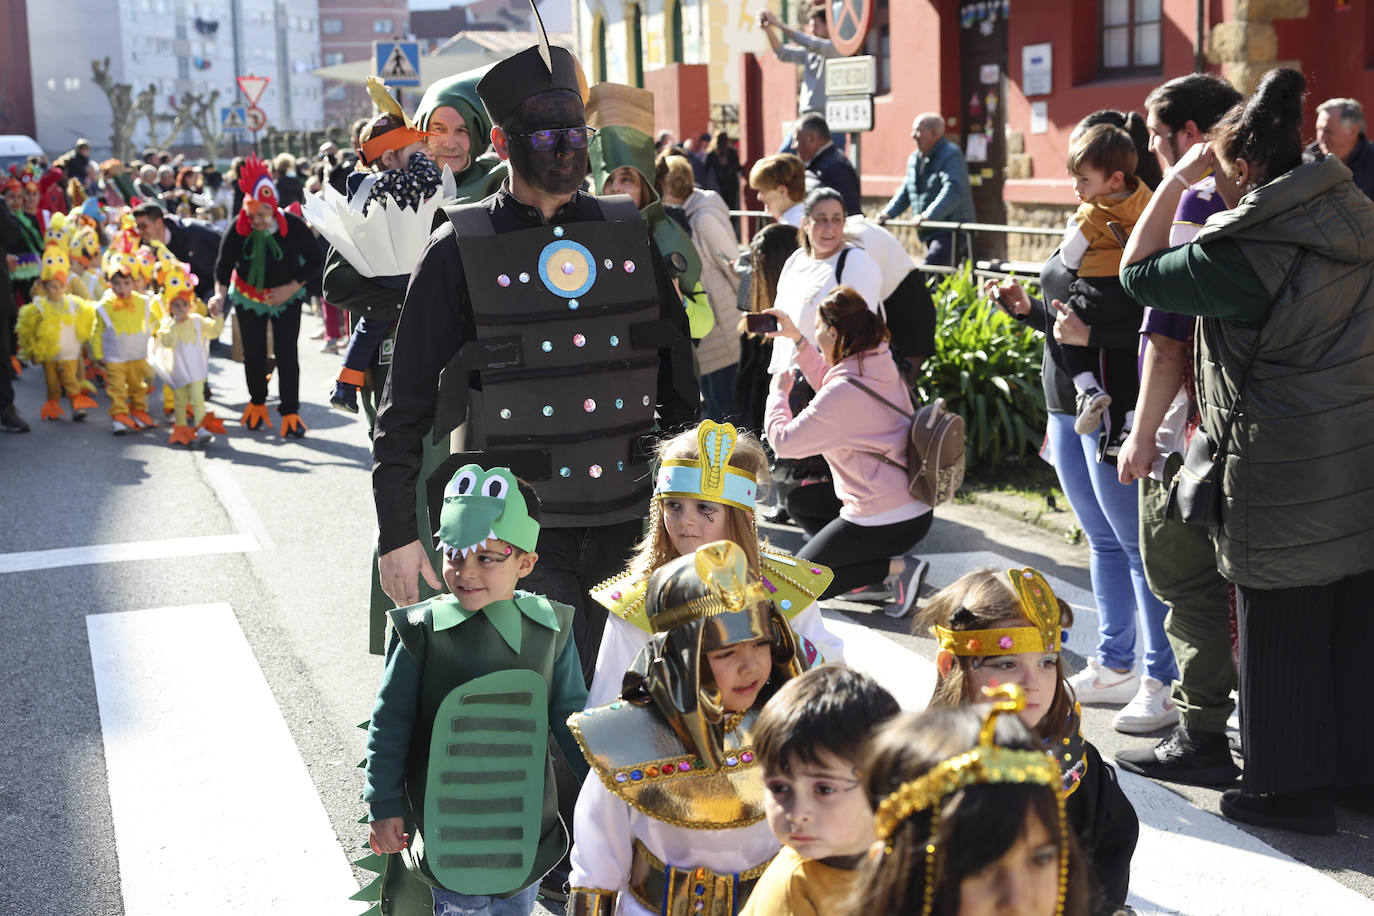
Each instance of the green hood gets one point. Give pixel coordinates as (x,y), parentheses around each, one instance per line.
(459,93)
(616,147)
(481,504)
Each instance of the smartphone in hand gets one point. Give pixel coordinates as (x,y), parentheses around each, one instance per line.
(759,323)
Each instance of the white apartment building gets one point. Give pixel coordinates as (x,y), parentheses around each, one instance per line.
(179,46)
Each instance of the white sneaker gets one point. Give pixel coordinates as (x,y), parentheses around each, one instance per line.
(1151,709)
(1099,684)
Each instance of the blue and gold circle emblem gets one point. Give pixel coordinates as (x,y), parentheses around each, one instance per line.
(567,268)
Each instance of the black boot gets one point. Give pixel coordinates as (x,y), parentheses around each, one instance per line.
(11,422)
(1309,811)
(1192,758)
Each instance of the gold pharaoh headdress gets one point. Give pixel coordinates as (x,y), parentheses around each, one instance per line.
(710,476)
(1040,607)
(986,764)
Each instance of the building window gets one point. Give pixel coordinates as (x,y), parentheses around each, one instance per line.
(879,44)
(336,94)
(333,57)
(383,26)
(634,25)
(600,49)
(331,26)
(1131,32)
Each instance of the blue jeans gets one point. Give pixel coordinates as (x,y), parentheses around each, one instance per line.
(718,394)
(450,903)
(1109,513)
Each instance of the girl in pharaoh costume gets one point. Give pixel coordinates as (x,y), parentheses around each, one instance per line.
(672,820)
(706,489)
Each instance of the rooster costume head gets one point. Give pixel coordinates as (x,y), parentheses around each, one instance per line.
(259,190)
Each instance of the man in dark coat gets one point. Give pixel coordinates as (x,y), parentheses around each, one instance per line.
(194,241)
(1340,133)
(10,421)
(825,164)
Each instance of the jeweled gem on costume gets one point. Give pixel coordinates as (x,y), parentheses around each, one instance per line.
(609,263)
(636,775)
(547,411)
(732,761)
(786,604)
(505,413)
(594,471)
(619,403)
(503,280)
(524,278)
(747,756)
(1005,642)
(815,570)
(579,340)
(565,472)
(589,405)
(629,267)
(621,777)
(615,596)
(558,231)
(573,304)
(615,341)
(547,346)
(647,400)
(620,465)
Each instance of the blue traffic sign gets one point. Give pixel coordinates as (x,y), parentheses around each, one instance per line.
(397,62)
(233,119)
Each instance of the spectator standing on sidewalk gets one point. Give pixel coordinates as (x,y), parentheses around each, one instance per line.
(936,188)
(1180,564)
(1340,133)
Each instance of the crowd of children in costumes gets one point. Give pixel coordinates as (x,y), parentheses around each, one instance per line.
(733,764)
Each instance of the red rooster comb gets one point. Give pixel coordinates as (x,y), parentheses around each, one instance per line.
(253,169)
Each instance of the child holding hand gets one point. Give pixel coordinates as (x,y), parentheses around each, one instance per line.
(808,740)
(1005,628)
(186,339)
(475,681)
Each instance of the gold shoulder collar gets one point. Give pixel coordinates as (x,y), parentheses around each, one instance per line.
(625,599)
(640,760)
(793,585)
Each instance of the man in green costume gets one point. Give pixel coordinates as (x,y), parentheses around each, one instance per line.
(458,127)
(460,784)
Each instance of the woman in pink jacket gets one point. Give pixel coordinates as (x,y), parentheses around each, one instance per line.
(856,525)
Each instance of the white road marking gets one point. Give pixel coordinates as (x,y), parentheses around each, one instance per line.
(213,808)
(869,651)
(219,475)
(168,548)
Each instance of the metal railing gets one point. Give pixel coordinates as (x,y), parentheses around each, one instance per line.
(964,232)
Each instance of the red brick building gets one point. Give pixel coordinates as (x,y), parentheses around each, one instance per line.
(347,30)
(1017,75)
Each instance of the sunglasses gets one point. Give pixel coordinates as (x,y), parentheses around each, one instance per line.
(545,140)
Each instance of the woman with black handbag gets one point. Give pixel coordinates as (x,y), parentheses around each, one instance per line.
(1284,284)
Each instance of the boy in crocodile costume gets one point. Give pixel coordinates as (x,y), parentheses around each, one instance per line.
(459,782)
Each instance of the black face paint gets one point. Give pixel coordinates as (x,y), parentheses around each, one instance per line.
(562,169)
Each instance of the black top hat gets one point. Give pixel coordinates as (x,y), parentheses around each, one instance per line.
(525,75)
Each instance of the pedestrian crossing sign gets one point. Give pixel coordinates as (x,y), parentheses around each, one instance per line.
(233,119)
(397,62)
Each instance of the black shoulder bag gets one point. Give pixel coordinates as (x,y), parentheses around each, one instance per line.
(1195,492)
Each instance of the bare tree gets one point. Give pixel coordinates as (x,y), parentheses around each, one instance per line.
(179,120)
(204,117)
(125,108)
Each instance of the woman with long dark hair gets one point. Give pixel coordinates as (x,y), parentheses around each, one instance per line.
(1283,283)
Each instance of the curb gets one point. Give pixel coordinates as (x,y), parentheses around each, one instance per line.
(1031,511)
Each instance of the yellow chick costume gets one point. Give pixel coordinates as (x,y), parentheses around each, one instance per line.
(51,332)
(123,327)
(187,365)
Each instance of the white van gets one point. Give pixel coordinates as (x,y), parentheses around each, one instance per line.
(15,149)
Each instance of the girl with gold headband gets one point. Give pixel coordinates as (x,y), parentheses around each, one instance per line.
(998,628)
(671,821)
(970,819)
(698,500)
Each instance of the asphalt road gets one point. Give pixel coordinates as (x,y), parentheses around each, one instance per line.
(300,600)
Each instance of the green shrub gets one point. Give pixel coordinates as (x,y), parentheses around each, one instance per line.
(987,368)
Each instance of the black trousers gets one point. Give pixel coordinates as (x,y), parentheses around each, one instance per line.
(286,328)
(1304,685)
(858,554)
(6,370)
(573,560)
